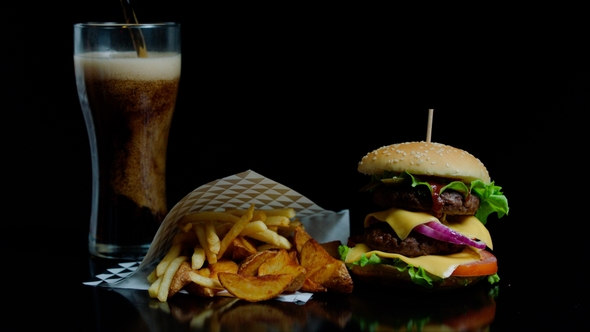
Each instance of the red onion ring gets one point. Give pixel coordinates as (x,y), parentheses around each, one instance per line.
(441,232)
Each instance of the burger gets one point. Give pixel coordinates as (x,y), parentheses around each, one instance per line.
(428,231)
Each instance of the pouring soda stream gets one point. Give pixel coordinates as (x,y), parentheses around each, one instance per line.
(136,35)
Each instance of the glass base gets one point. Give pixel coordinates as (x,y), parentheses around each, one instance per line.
(113,251)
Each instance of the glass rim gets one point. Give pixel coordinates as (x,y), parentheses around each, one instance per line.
(120,25)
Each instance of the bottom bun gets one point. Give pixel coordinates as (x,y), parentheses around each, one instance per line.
(385,275)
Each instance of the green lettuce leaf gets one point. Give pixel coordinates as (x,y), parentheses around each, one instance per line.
(417,274)
(343,251)
(491,197)
(491,200)
(494,278)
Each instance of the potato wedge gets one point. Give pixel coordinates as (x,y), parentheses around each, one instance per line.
(168,276)
(312,287)
(300,237)
(334,277)
(313,257)
(323,269)
(282,263)
(223,265)
(250,265)
(255,288)
(180,279)
(339,280)
(241,248)
(332,248)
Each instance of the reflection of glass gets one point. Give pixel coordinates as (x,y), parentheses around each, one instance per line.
(128,102)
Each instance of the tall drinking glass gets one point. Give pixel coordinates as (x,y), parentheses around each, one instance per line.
(127,77)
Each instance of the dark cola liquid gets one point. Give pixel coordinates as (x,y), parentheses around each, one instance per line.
(131,102)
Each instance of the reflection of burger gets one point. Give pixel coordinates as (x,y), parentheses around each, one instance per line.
(464,311)
(434,201)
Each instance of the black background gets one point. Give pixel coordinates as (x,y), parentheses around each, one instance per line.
(300,94)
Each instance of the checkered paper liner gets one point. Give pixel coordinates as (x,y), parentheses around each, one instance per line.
(235,191)
(114,274)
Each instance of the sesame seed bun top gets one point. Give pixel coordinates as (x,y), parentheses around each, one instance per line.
(423,158)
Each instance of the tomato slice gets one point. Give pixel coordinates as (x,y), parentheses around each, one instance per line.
(487,265)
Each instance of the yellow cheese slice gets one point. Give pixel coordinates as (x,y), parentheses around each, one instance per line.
(403,221)
(442,266)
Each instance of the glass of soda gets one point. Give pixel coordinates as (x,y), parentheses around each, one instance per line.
(127,76)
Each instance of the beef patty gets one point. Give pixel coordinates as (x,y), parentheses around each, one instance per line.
(419,198)
(380,236)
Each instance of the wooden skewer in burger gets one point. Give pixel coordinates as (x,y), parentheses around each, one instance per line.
(435,200)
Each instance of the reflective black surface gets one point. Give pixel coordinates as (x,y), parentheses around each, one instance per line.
(516,304)
(300,97)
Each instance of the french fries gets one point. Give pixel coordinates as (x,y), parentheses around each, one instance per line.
(235,230)
(252,254)
(168,276)
(207,248)
(170,256)
(198,258)
(205,281)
